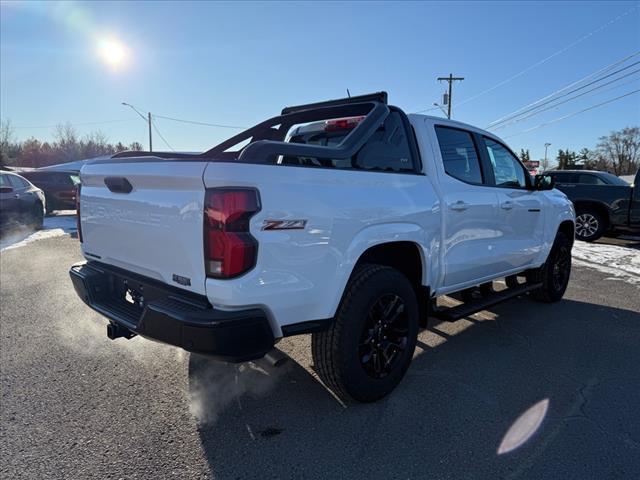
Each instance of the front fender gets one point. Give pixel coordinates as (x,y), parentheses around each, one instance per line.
(561,209)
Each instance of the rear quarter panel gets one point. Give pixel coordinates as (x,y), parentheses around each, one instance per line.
(301,274)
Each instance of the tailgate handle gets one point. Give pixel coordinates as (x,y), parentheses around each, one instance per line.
(118,184)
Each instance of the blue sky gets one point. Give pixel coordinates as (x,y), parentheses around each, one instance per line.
(238,63)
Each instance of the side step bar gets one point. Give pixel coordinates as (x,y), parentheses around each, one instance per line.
(464,310)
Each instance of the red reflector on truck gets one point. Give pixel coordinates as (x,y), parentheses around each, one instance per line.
(229,248)
(343,123)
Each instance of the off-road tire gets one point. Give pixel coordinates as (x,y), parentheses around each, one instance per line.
(555,273)
(336,351)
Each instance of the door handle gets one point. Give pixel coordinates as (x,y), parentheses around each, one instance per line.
(17,195)
(459,206)
(508,205)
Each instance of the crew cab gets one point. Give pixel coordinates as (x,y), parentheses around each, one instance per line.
(345,219)
(604,203)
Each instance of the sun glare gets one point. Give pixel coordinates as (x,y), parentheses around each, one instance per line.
(113,53)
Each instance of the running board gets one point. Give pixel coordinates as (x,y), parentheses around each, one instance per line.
(465,309)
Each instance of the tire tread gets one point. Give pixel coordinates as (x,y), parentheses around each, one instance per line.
(324,345)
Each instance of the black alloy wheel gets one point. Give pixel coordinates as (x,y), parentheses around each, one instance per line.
(384,336)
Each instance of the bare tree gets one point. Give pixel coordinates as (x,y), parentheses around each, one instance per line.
(6,142)
(621,150)
(95,144)
(67,142)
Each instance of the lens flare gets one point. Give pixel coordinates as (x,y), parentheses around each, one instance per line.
(524,427)
(113,53)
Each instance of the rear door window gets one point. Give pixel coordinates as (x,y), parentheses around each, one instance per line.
(459,154)
(562,177)
(589,179)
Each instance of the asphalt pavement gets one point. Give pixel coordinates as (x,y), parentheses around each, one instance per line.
(524,390)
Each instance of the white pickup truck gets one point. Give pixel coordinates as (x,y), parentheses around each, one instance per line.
(345,219)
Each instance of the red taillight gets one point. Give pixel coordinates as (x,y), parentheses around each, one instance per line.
(78,213)
(229,248)
(343,123)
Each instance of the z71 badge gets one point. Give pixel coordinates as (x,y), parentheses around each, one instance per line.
(284,224)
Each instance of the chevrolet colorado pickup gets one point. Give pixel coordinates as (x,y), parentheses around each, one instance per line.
(346,219)
(604,203)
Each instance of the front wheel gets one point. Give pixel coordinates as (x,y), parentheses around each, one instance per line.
(554,274)
(369,346)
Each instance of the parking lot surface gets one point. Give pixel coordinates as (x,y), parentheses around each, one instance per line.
(77,405)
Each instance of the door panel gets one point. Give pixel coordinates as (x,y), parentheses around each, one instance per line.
(521,219)
(471,233)
(470,228)
(520,212)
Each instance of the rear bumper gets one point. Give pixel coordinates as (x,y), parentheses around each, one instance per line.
(172,316)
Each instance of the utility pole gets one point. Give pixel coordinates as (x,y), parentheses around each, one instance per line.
(450,79)
(147,120)
(150,142)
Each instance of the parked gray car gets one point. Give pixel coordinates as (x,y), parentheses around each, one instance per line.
(21,203)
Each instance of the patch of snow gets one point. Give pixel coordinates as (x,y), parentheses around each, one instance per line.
(619,262)
(55,226)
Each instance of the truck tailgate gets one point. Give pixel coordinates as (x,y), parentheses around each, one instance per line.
(155,229)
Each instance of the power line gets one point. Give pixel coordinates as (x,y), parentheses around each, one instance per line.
(517,120)
(549,98)
(160,135)
(553,55)
(540,62)
(200,123)
(573,114)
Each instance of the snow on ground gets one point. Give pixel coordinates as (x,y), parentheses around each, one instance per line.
(620,262)
(64,223)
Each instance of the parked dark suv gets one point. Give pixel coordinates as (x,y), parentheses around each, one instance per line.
(604,203)
(59,188)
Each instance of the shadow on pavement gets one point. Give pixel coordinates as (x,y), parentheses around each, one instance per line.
(467,387)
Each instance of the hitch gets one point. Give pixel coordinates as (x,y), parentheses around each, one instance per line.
(116,331)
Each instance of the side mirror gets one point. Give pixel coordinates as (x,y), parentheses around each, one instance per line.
(6,189)
(543,182)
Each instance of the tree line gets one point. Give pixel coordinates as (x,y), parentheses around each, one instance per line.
(617,153)
(67,146)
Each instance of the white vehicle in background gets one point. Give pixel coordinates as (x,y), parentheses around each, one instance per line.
(345,219)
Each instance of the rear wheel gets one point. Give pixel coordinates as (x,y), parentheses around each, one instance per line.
(369,346)
(554,274)
(590,225)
